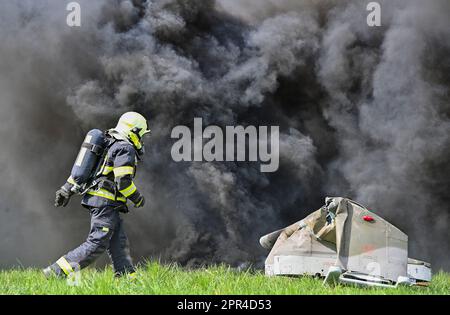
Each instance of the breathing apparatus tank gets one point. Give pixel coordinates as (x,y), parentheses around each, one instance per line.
(87,163)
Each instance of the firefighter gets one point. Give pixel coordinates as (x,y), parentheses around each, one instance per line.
(107,199)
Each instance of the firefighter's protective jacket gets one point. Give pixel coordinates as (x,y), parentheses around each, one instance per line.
(116,178)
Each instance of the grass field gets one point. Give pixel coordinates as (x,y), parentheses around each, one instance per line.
(154,278)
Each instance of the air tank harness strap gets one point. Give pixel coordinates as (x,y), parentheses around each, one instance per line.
(96,149)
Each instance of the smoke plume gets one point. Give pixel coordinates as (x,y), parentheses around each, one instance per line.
(364,112)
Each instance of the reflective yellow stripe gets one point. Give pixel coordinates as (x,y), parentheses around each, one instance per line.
(127,124)
(106,194)
(132,276)
(139,203)
(129,190)
(107,170)
(123,170)
(70,180)
(64,265)
(105,229)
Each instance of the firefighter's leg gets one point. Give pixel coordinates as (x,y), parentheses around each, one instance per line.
(103,223)
(119,251)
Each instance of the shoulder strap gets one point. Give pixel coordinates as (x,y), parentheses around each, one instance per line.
(104,154)
(96,149)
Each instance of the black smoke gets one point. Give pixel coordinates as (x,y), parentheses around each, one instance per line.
(364,112)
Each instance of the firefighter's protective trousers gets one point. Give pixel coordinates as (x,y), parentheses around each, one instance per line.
(106,234)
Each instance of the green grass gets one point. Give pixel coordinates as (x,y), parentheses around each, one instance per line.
(154,278)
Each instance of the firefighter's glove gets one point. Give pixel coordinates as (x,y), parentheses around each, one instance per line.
(62,197)
(140,202)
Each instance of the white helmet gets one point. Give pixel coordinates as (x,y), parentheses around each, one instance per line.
(132,126)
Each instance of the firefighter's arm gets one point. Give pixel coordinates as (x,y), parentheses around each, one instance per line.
(124,165)
(64,193)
